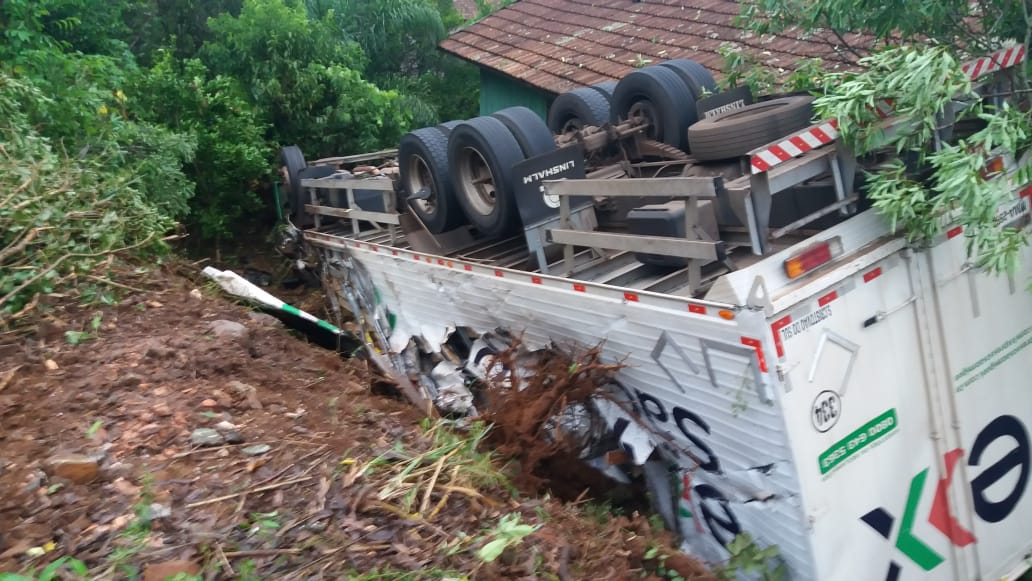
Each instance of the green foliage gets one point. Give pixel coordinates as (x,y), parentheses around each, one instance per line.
(915,65)
(749,560)
(396,35)
(305,78)
(60,217)
(892,74)
(655,554)
(507,533)
(222,84)
(951,185)
(62,568)
(945,22)
(231,148)
(180,26)
(400,38)
(743,69)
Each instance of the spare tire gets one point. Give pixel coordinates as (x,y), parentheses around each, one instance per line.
(423,164)
(447,126)
(481,156)
(697,77)
(576,109)
(529,130)
(659,95)
(606,89)
(739,131)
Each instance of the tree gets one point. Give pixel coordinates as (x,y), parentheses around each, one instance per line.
(231,152)
(306,77)
(911,56)
(400,39)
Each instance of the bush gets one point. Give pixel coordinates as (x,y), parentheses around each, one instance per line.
(231,148)
(305,78)
(61,217)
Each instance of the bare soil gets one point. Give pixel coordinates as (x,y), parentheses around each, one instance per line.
(97,460)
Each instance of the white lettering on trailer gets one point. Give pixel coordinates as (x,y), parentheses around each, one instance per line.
(549,172)
(805,322)
(724,108)
(1007,214)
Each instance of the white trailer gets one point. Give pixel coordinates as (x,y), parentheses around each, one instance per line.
(857,402)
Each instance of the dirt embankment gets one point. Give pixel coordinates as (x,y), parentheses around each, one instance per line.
(178,432)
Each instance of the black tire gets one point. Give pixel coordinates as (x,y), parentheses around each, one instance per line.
(293,161)
(660,95)
(576,109)
(481,155)
(606,89)
(529,130)
(423,163)
(299,217)
(447,126)
(740,131)
(697,77)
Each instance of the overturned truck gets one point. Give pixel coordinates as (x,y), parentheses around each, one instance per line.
(792,368)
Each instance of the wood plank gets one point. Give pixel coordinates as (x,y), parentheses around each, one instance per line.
(661,245)
(678,188)
(378,217)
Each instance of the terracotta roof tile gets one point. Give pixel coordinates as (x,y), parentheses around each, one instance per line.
(558,45)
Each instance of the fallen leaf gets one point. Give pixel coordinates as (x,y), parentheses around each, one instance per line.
(8,376)
(161,571)
(123,486)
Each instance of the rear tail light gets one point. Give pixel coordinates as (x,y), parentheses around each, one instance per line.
(813,257)
(993,168)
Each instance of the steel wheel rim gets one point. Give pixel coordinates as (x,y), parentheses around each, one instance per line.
(572,125)
(419,177)
(644,109)
(476,182)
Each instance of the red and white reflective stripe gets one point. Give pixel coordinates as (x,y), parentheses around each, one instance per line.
(794,146)
(999,60)
(826,132)
(755,344)
(710,310)
(885,108)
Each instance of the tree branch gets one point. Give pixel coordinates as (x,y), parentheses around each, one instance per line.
(59,261)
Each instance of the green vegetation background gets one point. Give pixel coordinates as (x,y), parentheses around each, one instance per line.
(122,118)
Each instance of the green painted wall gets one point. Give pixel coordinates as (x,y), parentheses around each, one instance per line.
(499,91)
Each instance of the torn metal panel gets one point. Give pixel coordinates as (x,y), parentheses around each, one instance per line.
(698,388)
(452,394)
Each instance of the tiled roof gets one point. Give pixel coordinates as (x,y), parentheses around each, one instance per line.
(559,45)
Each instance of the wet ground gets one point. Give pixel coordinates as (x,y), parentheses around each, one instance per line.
(178,432)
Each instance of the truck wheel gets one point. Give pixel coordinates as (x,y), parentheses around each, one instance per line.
(481,155)
(447,126)
(423,161)
(659,96)
(529,130)
(606,89)
(697,77)
(576,109)
(737,132)
(293,162)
